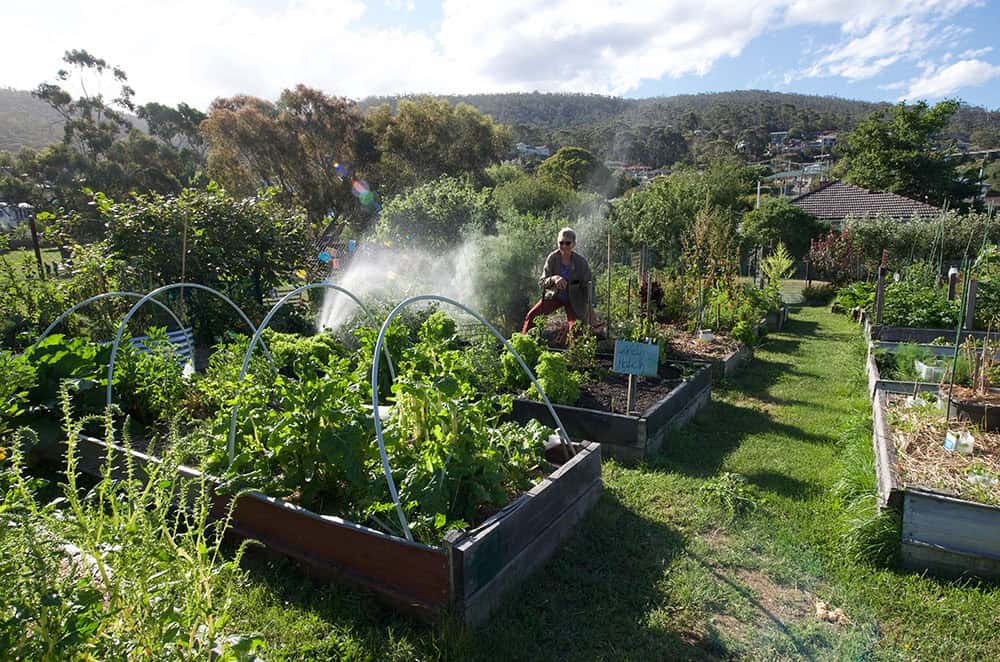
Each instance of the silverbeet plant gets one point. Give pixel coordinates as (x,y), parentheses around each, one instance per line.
(130,567)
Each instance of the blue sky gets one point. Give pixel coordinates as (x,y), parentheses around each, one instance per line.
(196,50)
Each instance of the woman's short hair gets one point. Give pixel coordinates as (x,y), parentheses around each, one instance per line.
(567,234)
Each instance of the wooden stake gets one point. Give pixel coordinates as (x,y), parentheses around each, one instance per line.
(630,396)
(970,305)
(880,294)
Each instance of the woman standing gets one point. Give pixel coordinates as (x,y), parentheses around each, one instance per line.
(565,283)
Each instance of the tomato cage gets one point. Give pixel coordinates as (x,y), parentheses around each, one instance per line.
(466,575)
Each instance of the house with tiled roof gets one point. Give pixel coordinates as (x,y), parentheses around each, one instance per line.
(833,202)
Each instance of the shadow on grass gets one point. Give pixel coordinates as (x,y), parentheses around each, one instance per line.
(784,485)
(601,597)
(699,448)
(801,647)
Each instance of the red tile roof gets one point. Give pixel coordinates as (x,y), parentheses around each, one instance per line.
(838,200)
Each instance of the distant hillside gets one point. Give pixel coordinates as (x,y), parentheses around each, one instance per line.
(26,122)
(596,121)
(749,107)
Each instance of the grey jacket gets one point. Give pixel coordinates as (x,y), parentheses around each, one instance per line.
(580,280)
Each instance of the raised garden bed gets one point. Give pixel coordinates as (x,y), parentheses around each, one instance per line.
(631,437)
(876,380)
(911,334)
(775,321)
(725,355)
(467,576)
(951,520)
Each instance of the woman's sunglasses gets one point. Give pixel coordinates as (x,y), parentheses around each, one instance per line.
(565,243)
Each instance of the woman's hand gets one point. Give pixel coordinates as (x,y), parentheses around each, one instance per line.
(561,283)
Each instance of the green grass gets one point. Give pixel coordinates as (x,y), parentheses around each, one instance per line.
(26,256)
(657,573)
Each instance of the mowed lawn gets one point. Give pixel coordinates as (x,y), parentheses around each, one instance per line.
(658,572)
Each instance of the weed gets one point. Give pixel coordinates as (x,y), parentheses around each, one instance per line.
(729,493)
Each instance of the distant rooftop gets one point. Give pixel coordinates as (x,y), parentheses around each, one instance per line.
(837,200)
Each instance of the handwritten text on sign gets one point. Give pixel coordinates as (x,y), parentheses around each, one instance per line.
(636,358)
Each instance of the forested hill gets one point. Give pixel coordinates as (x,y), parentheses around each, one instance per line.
(26,121)
(593,120)
(739,109)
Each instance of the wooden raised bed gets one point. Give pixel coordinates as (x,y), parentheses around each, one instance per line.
(876,383)
(727,367)
(467,576)
(941,534)
(628,438)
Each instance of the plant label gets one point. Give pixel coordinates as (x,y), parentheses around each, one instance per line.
(636,358)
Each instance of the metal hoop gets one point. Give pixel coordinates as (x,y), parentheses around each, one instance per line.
(70,311)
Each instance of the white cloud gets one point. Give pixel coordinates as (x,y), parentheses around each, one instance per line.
(876,34)
(195,50)
(950,79)
(973,53)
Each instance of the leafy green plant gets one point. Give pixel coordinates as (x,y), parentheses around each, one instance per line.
(528,346)
(910,303)
(906,356)
(560,384)
(819,293)
(743,332)
(18,380)
(58,358)
(777,266)
(582,351)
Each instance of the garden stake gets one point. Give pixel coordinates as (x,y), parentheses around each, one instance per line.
(610,296)
(958,337)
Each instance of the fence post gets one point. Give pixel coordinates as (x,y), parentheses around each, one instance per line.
(970,305)
(952,283)
(880,294)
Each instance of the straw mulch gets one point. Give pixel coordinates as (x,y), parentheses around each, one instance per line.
(683,343)
(922,460)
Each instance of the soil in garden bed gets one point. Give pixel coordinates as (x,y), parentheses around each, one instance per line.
(918,432)
(686,345)
(604,390)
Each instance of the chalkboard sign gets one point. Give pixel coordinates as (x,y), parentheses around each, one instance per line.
(636,358)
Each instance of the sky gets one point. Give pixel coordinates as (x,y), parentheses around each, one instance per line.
(196,50)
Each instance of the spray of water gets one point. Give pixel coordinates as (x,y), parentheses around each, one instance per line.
(464,273)
(392,272)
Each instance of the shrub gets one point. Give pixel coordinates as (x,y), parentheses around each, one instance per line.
(819,293)
(856,295)
(908,303)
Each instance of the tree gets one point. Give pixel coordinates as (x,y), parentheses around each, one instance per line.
(777,220)
(91,123)
(575,168)
(897,152)
(178,127)
(101,149)
(660,214)
(531,195)
(436,214)
(428,137)
(293,145)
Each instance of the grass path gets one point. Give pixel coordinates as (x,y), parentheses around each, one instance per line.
(657,574)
